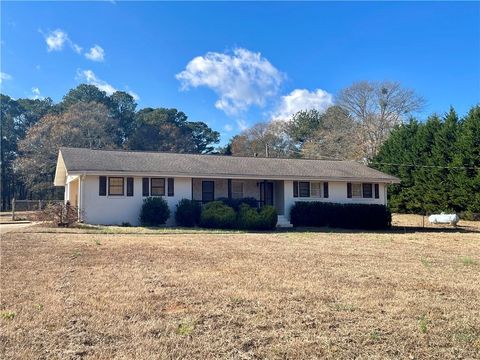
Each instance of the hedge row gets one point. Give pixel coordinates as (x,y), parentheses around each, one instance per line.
(348,216)
(218,214)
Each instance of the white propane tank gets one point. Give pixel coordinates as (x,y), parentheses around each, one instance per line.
(443,218)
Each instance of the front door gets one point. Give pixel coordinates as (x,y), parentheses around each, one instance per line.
(266,193)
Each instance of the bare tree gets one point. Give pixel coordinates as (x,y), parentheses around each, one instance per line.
(336,138)
(263,139)
(378,107)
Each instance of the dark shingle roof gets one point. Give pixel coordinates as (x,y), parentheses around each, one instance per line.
(78,160)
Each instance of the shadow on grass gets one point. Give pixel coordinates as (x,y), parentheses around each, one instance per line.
(392,230)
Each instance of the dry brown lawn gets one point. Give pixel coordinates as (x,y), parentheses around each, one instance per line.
(97,294)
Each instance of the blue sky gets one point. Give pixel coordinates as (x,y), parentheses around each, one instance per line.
(234,64)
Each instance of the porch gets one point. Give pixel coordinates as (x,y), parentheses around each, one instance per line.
(266,192)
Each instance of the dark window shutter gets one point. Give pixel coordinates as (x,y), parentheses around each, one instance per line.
(129,186)
(102,186)
(377,191)
(325,189)
(145,186)
(295,189)
(171,184)
(229,185)
(349,190)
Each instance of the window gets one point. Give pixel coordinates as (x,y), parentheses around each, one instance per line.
(304,188)
(361,190)
(145,186)
(208,191)
(367,191)
(171,186)
(357,190)
(115,186)
(237,189)
(157,187)
(129,186)
(316,189)
(102,186)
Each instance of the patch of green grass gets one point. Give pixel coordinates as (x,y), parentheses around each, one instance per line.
(343,307)
(375,335)
(466,335)
(39,307)
(75,254)
(425,262)
(185,328)
(97,242)
(467,261)
(423,324)
(8,315)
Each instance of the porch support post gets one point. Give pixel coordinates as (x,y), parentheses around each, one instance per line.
(229,181)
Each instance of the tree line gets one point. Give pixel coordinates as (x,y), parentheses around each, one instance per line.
(354,128)
(438,162)
(32,131)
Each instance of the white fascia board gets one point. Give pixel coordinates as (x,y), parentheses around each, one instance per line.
(231,176)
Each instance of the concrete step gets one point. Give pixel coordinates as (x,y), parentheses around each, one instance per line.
(282,221)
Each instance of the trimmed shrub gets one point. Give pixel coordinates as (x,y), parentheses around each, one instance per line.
(188,213)
(154,211)
(216,214)
(235,203)
(253,219)
(248,218)
(268,218)
(347,216)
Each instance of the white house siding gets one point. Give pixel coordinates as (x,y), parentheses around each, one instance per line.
(109,210)
(337,193)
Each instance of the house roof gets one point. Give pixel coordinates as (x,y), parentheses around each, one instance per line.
(73,161)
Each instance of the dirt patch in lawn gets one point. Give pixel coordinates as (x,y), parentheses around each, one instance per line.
(235,295)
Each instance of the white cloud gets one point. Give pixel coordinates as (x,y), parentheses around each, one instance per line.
(302,99)
(96,53)
(56,40)
(228,127)
(4,76)
(134,95)
(36,93)
(78,49)
(90,77)
(242,124)
(240,80)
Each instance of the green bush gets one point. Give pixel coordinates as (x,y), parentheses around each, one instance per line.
(216,214)
(268,218)
(253,219)
(154,211)
(348,216)
(235,203)
(247,218)
(188,213)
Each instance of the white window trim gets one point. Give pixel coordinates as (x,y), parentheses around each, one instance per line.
(242,183)
(320,189)
(361,191)
(164,186)
(113,196)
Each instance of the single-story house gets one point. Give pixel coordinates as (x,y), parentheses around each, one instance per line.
(108,186)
